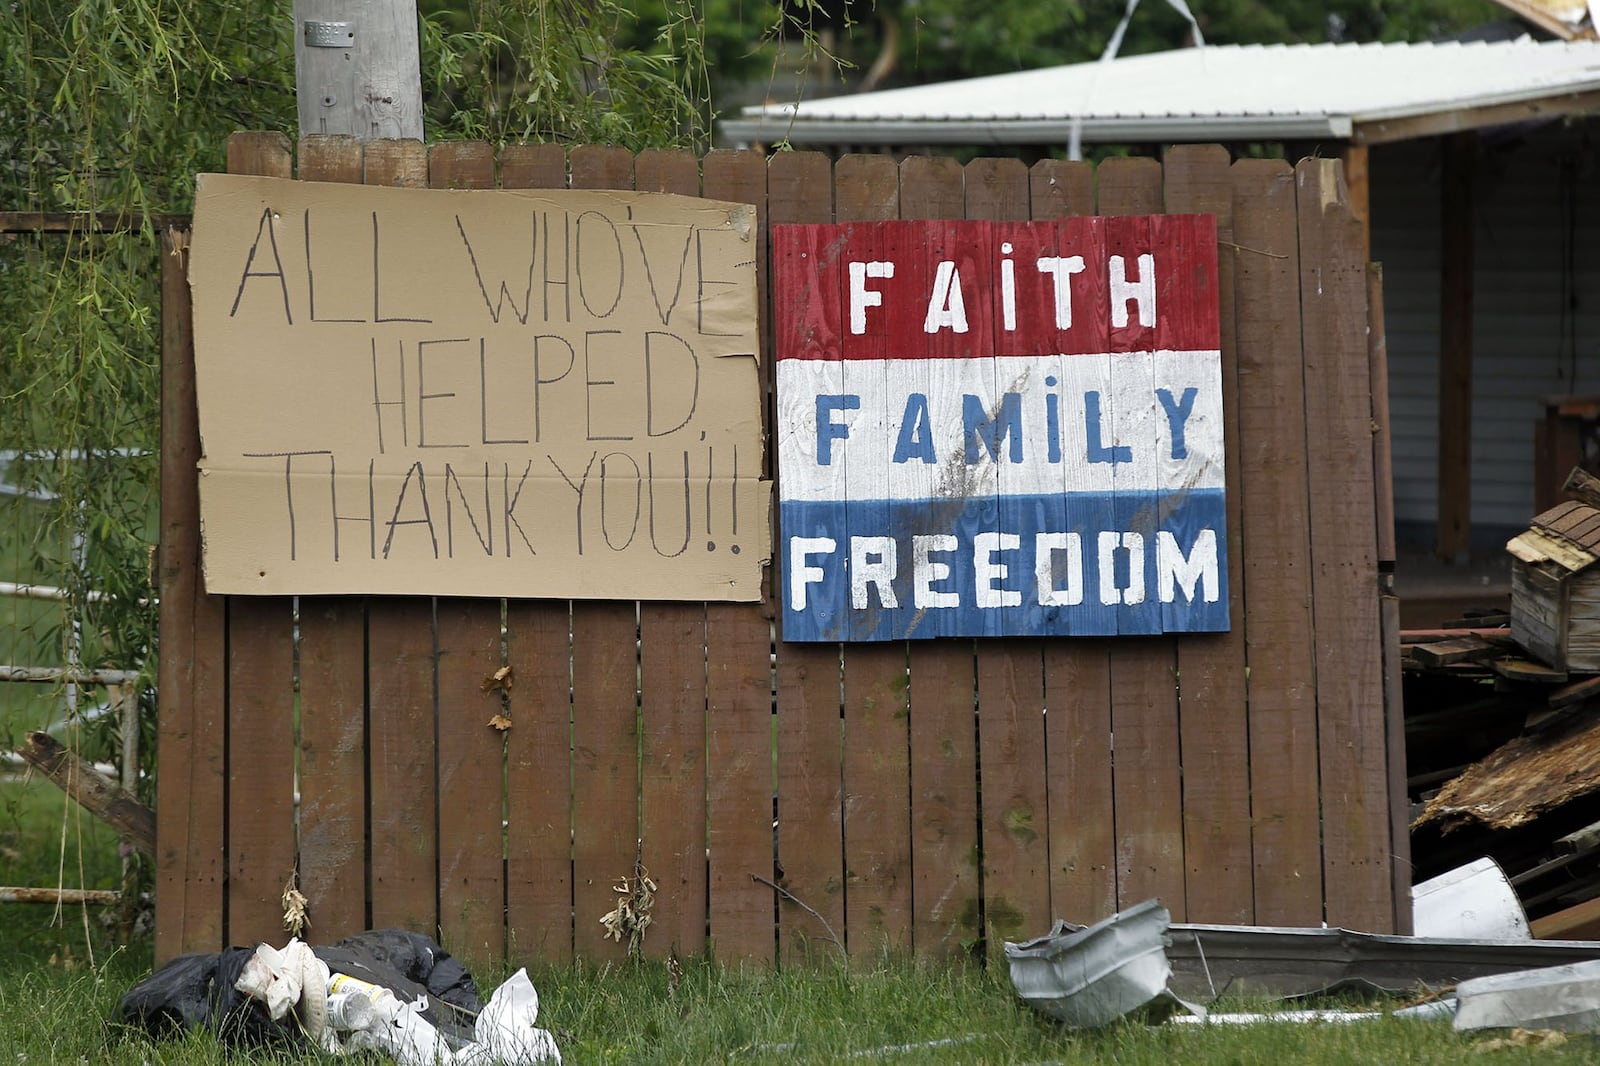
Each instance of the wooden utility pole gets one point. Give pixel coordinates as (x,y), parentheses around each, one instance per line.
(357,68)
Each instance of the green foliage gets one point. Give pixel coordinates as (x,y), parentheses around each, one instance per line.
(105,106)
(943,39)
(45,840)
(590,71)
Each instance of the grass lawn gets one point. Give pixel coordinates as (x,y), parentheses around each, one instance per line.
(891,1012)
(55,1006)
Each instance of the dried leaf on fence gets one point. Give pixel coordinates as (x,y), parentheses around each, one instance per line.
(500,722)
(295,918)
(636,895)
(499,681)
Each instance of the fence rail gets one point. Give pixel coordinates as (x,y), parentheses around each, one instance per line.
(927,795)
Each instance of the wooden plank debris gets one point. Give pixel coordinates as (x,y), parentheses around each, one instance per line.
(1527,670)
(1458,649)
(1580,841)
(1576,692)
(1578,922)
(97,793)
(1584,485)
(1537,546)
(1487,620)
(68,896)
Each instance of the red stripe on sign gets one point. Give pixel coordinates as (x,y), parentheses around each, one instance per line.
(1187,297)
(971,289)
(957,313)
(806,290)
(885,265)
(1131,287)
(1060,274)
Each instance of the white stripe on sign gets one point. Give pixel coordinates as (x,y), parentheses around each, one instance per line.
(876,429)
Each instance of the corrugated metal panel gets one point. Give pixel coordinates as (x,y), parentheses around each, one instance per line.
(1262,92)
(1528,342)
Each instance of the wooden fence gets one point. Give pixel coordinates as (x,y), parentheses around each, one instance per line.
(928,795)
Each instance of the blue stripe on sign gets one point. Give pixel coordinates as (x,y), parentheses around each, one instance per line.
(1115,563)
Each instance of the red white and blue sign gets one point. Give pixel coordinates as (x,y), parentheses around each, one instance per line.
(997,428)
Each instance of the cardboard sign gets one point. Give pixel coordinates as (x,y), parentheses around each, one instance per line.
(1000,428)
(477,393)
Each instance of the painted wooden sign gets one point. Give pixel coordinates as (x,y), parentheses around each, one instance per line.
(991,429)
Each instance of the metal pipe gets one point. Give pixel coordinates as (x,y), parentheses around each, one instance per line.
(58,895)
(76,677)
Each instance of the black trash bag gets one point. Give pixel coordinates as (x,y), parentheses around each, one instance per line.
(410,965)
(196,991)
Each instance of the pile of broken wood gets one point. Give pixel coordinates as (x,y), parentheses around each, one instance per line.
(1503,758)
(1502,725)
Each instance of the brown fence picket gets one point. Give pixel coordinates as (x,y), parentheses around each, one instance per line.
(1077,684)
(1012,783)
(539,925)
(539,921)
(261,851)
(401,757)
(1058,189)
(191,790)
(946,895)
(1082,815)
(1213,724)
(739,681)
(810,826)
(1144,693)
(333,693)
(461,165)
(333,788)
(944,801)
(471,750)
(739,776)
(471,774)
(605,766)
(605,698)
(1389,604)
(1276,564)
(1010,674)
(672,787)
(260,703)
(672,671)
(533,166)
(877,831)
(396,162)
(657,170)
(1250,779)
(404,842)
(1349,659)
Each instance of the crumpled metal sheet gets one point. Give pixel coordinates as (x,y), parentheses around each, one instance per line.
(1209,960)
(1566,998)
(1521,780)
(1088,977)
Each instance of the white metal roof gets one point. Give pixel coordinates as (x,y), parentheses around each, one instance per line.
(1215,93)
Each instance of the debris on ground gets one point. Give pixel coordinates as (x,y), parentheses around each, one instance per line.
(1087,977)
(390,991)
(1129,965)
(1502,725)
(1561,998)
